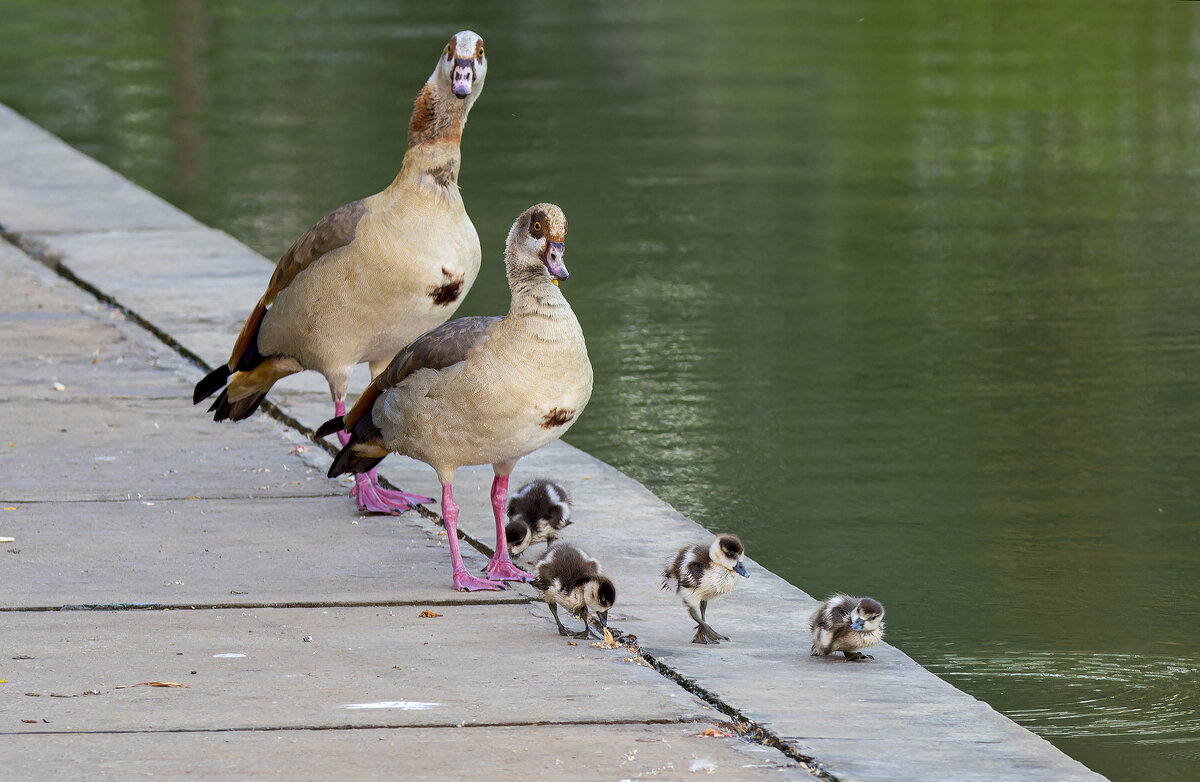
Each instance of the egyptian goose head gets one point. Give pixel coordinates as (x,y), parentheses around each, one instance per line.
(463,66)
(534,249)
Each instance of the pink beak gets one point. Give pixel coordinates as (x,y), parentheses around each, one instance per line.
(552,256)
(463,77)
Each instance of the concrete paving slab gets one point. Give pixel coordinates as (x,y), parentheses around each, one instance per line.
(248,669)
(577,752)
(204,552)
(107,449)
(49,186)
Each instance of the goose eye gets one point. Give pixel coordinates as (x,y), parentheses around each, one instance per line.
(537,227)
(480,55)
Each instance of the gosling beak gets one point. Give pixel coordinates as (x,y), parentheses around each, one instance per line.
(463,77)
(740,569)
(552,257)
(857,624)
(603,617)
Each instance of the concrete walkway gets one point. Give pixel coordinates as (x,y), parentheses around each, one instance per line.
(295,623)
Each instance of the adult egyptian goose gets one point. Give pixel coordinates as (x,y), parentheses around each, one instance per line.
(481,390)
(702,573)
(372,276)
(537,511)
(848,625)
(568,577)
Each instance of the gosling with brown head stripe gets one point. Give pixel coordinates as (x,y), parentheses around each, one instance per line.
(568,577)
(702,573)
(848,625)
(543,508)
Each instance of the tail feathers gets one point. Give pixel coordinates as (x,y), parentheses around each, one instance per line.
(211,382)
(336,424)
(247,388)
(224,410)
(357,458)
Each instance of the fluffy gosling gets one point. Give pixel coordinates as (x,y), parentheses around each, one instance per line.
(566,576)
(848,625)
(536,511)
(701,574)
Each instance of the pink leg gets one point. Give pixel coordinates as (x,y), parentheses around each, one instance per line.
(373,498)
(501,568)
(463,581)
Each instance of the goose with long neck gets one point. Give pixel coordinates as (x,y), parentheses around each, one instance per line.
(371,276)
(481,390)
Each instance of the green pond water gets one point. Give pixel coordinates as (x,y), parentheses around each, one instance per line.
(905,294)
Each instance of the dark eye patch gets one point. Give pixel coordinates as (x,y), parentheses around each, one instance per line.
(537,225)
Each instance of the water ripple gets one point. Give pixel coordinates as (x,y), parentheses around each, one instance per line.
(1149,700)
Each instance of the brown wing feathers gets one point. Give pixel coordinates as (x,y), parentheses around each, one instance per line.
(332,231)
(437,348)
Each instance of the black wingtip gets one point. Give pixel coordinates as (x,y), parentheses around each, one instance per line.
(335,424)
(211,382)
(224,410)
(347,461)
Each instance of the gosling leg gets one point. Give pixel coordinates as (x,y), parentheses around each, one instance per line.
(854,657)
(704,633)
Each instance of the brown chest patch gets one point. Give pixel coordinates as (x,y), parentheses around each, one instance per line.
(557,417)
(448,292)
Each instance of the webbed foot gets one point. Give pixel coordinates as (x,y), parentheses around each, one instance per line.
(465,582)
(505,570)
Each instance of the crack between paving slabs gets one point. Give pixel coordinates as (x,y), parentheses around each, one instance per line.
(398,726)
(745,727)
(226,606)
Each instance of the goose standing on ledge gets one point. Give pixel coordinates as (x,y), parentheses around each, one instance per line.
(481,390)
(372,276)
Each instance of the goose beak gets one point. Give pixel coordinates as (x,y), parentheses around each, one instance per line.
(740,569)
(603,617)
(552,257)
(463,77)
(857,624)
